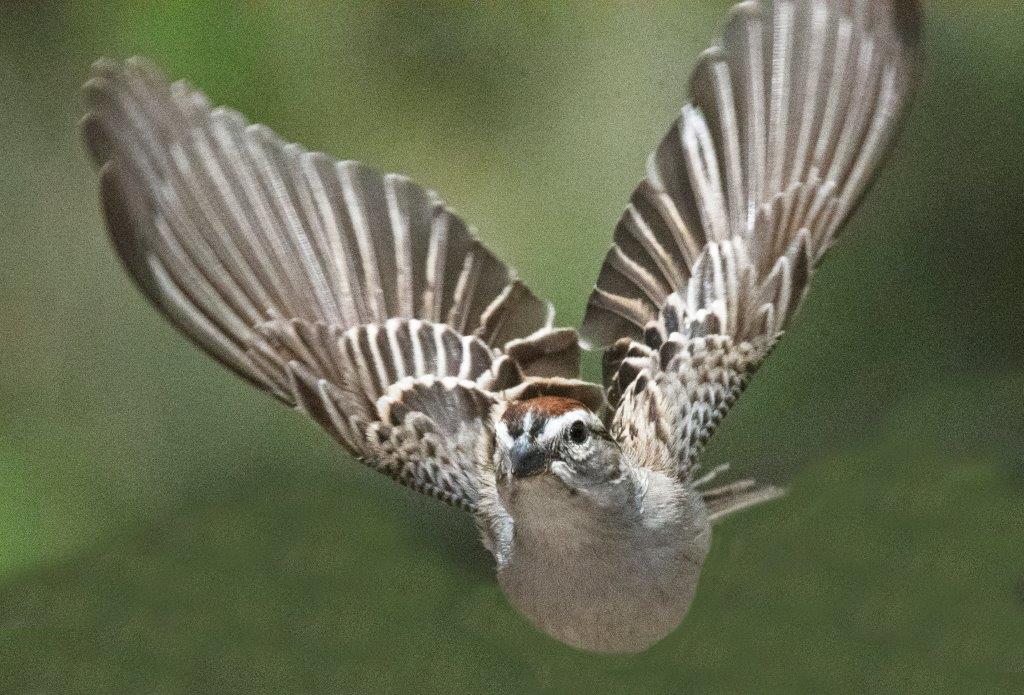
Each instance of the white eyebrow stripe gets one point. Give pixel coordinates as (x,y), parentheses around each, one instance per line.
(501,433)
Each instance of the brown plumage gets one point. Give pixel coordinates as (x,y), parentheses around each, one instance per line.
(541,406)
(363,300)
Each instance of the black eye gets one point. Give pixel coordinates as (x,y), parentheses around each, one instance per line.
(578,432)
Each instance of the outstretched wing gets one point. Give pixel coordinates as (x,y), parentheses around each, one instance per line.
(357,297)
(788,120)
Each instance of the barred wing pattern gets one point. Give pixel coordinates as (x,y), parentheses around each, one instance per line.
(340,291)
(788,120)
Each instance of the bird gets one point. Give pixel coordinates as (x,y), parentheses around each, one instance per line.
(364,301)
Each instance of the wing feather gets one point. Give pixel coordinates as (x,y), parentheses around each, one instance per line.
(789,118)
(321,282)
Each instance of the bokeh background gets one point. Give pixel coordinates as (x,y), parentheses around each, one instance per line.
(163,528)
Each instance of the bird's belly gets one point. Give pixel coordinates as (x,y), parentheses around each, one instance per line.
(601,598)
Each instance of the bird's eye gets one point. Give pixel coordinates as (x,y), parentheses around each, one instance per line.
(578,432)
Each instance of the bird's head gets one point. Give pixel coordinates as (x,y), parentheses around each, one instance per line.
(555,453)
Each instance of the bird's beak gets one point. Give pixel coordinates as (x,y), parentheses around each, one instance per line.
(527,459)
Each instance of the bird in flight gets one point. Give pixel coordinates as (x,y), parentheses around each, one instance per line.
(364,301)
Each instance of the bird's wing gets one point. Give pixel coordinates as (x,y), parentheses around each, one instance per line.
(357,297)
(788,120)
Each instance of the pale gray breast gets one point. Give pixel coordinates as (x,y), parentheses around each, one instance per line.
(603,582)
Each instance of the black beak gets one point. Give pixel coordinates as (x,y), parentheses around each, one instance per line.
(527,459)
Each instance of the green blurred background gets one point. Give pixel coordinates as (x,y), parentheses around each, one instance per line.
(163,528)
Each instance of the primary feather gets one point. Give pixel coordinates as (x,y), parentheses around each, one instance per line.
(321,282)
(788,120)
